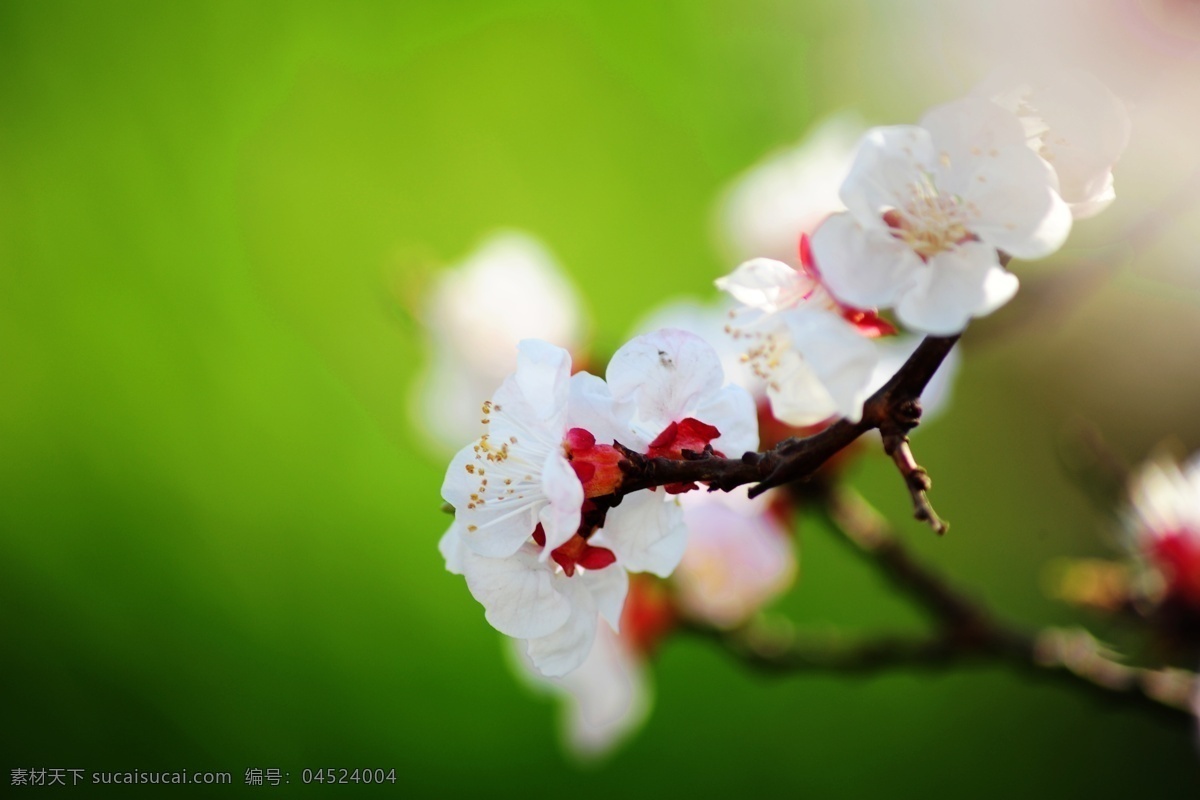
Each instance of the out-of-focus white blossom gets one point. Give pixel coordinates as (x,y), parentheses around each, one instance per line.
(1076,124)
(739,557)
(928,208)
(1164,518)
(510,288)
(789,192)
(603,702)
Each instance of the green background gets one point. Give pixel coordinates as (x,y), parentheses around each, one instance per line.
(218,523)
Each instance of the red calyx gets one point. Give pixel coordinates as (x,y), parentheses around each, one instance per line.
(688,434)
(596,465)
(576,552)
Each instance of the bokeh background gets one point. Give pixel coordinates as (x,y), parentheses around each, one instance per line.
(218,519)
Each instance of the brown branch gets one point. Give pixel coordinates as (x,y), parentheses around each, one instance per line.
(895,409)
(872,536)
(965,631)
(785,653)
(1071,658)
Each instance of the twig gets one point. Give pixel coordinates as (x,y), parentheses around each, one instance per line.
(915,478)
(1072,658)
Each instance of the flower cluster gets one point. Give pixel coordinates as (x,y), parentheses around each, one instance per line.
(932,214)
(908,234)
(532,535)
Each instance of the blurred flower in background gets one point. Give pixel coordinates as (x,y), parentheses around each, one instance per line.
(739,557)
(1164,525)
(609,697)
(1075,124)
(508,289)
(788,193)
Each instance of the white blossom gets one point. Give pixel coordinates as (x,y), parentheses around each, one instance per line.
(815,362)
(516,476)
(708,321)
(1076,124)
(603,701)
(1165,500)
(1164,520)
(675,385)
(928,209)
(739,557)
(520,537)
(528,598)
(789,192)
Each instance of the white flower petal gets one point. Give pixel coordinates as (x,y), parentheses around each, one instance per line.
(560,517)
(458,484)
(604,700)
(957,285)
(609,697)
(1101,200)
(790,191)
(453,550)
(665,373)
(968,132)
(563,650)
(446,398)
(797,396)
(608,587)
(510,288)
(887,160)
(739,557)
(593,408)
(1018,210)
(499,526)
(519,594)
(646,532)
(765,284)
(865,268)
(536,394)
(708,321)
(731,411)
(1087,129)
(840,357)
